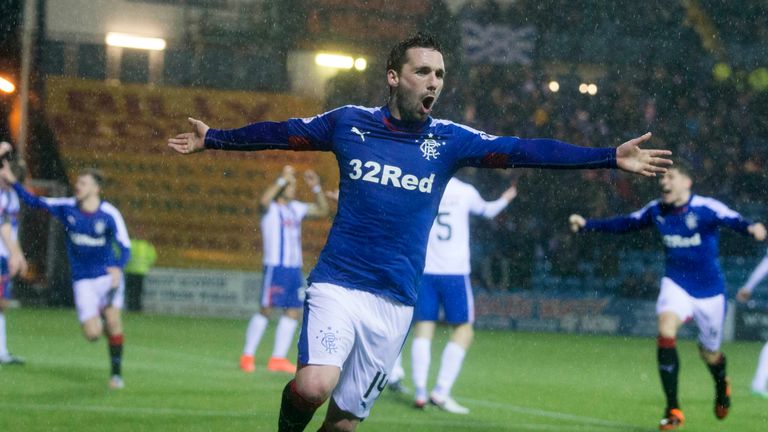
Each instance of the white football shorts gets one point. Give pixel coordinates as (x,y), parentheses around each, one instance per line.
(708,313)
(94,295)
(357,331)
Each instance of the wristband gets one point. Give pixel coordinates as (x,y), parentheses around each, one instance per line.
(316,189)
(281,182)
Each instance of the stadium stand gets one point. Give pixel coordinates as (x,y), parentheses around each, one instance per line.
(198,212)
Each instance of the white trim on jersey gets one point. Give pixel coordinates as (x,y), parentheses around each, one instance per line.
(722,210)
(281,233)
(361,108)
(639,213)
(481,134)
(470,299)
(122,232)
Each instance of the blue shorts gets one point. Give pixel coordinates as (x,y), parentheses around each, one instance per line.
(453,292)
(281,287)
(5,279)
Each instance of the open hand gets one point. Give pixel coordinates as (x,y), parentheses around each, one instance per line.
(631,158)
(190,142)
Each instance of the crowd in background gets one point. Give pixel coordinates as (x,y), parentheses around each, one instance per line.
(719,126)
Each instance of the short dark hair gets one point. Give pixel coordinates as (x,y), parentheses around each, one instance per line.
(96,174)
(683,167)
(398,55)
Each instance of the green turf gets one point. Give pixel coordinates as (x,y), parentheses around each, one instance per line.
(181,374)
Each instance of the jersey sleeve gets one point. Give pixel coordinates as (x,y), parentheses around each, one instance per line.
(54,206)
(305,134)
(120,233)
(758,274)
(727,217)
(479,149)
(620,224)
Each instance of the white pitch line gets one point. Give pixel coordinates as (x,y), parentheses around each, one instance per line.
(473,423)
(453,422)
(552,414)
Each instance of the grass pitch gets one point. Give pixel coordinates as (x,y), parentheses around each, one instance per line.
(181,375)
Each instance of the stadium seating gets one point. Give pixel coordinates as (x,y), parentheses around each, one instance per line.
(198,210)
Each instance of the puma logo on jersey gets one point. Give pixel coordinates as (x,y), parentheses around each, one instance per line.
(678,241)
(385,175)
(359,132)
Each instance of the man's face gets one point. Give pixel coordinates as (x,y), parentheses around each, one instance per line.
(289,191)
(417,86)
(675,186)
(86,187)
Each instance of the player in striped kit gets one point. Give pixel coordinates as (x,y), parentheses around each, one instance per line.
(94,228)
(12,261)
(760,381)
(446,283)
(693,285)
(394,163)
(281,232)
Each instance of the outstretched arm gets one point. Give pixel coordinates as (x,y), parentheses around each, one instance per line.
(294,134)
(52,205)
(620,224)
(490,151)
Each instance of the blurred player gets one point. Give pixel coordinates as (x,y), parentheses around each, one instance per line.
(281,232)
(394,164)
(446,283)
(12,261)
(94,227)
(760,381)
(693,285)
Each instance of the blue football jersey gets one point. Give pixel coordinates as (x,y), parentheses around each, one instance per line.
(392,176)
(691,238)
(90,236)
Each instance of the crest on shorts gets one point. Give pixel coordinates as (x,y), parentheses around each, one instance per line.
(328,340)
(429,147)
(691,221)
(99,227)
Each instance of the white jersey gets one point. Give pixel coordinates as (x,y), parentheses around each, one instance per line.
(9,212)
(448,247)
(758,274)
(281,230)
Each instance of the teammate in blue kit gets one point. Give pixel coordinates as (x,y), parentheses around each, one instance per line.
(12,261)
(93,228)
(760,381)
(693,285)
(394,164)
(281,231)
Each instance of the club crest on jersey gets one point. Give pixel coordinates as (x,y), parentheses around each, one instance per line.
(99,227)
(328,340)
(691,221)
(429,147)
(357,131)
